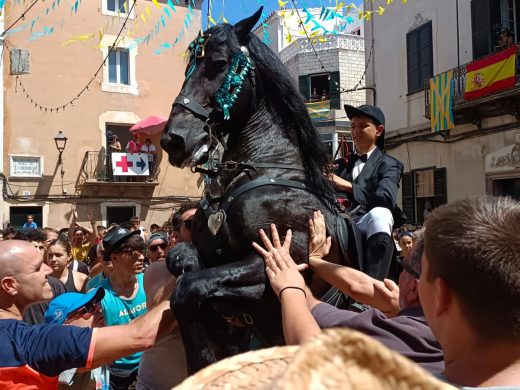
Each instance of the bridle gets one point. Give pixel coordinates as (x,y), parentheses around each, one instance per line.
(240,68)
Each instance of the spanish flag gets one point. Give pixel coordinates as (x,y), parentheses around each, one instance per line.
(441,101)
(490,74)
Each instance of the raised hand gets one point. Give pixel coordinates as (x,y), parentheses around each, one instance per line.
(281,269)
(319,243)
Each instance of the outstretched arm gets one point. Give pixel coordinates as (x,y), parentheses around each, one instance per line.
(361,287)
(288,284)
(113,342)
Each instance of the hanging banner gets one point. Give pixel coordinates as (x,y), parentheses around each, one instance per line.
(490,74)
(319,111)
(130,164)
(441,102)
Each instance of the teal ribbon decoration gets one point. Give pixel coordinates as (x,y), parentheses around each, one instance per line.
(227,94)
(196,49)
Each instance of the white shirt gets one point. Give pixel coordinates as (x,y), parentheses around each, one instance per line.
(358,165)
(147,149)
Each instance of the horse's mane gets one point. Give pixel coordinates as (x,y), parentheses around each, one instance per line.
(287,107)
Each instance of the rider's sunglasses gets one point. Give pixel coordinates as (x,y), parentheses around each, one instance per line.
(153,248)
(85,311)
(187,223)
(407,268)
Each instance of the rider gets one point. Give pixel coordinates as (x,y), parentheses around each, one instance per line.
(370,180)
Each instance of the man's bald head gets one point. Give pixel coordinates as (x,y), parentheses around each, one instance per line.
(23,276)
(14,255)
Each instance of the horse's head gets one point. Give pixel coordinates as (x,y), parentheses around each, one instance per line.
(217,93)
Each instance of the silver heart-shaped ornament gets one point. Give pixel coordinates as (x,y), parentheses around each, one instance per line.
(215,221)
(186,100)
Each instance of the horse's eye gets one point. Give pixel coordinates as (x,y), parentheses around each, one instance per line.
(219,65)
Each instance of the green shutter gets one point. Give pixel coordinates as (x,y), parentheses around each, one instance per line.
(334,88)
(305,88)
(440,187)
(419,55)
(481,28)
(407,191)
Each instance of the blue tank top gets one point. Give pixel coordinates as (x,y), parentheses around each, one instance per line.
(120,311)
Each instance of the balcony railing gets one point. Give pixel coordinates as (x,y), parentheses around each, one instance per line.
(459,85)
(340,41)
(94,167)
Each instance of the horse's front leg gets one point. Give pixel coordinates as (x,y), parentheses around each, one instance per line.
(199,287)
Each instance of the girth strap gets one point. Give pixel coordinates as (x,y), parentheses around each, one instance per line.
(242,166)
(227,199)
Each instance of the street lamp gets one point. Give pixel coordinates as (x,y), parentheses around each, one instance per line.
(61,142)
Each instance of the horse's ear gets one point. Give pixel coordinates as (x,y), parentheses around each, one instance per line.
(245,26)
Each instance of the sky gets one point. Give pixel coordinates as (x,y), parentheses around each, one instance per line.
(235,10)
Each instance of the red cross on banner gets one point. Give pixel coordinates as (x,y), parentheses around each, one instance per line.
(124,164)
(130,164)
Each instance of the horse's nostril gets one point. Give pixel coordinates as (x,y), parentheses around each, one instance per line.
(175,141)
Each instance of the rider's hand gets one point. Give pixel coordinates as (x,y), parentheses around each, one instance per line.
(319,243)
(281,269)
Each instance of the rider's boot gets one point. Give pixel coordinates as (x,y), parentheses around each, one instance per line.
(380,249)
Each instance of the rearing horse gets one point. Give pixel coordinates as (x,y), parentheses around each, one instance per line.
(272,171)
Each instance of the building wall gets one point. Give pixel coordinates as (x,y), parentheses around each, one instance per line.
(349,62)
(57,73)
(465,160)
(385,36)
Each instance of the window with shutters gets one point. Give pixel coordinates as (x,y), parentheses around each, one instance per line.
(119,72)
(419,50)
(19,61)
(119,8)
(321,87)
(422,191)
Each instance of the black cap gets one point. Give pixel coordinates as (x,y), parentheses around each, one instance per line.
(114,238)
(372,112)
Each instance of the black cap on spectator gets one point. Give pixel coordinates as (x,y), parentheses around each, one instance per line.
(114,238)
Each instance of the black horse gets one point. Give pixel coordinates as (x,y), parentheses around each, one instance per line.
(272,171)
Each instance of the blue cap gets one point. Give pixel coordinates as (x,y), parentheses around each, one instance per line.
(64,304)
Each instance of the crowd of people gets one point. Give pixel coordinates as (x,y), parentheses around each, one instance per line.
(91,277)
(89,305)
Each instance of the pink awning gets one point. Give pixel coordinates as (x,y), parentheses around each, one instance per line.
(150,125)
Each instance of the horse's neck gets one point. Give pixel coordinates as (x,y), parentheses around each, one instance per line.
(262,140)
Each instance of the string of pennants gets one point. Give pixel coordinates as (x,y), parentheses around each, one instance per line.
(33,23)
(341,14)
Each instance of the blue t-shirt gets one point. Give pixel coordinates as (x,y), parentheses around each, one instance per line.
(32,356)
(120,311)
(31,225)
(95,281)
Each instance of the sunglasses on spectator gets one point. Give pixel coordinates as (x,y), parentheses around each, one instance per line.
(153,248)
(407,268)
(187,223)
(85,312)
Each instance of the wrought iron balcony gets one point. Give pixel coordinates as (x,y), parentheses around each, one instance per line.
(96,170)
(498,103)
